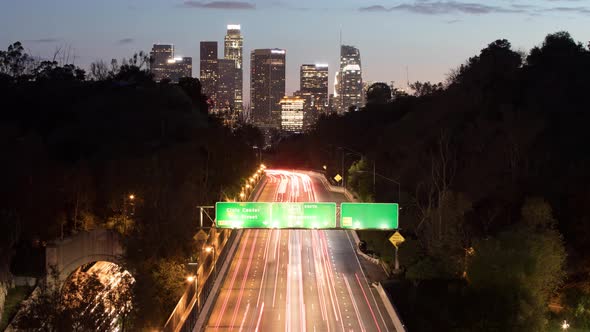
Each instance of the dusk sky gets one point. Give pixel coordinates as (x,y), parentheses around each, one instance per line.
(430,37)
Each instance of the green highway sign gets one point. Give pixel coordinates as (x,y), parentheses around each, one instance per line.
(242,215)
(369,215)
(275,215)
(304,215)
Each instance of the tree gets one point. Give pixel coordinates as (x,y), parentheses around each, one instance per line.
(379,93)
(536,213)
(52,71)
(14,61)
(85,303)
(135,70)
(489,77)
(556,49)
(251,135)
(360,179)
(99,70)
(525,264)
(426,88)
(192,87)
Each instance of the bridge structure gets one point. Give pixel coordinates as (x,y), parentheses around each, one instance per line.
(68,254)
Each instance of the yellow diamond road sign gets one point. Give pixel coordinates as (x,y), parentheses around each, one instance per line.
(396,239)
(337,178)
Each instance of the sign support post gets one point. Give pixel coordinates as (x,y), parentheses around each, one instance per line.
(396,239)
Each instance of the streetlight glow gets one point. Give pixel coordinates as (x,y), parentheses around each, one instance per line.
(190,278)
(565,325)
(131,197)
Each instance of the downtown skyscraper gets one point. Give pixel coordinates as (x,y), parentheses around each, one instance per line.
(225,88)
(166,66)
(160,55)
(208,68)
(313,88)
(233,49)
(267,86)
(349,83)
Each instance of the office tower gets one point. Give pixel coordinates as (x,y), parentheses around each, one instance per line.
(267,86)
(349,78)
(165,66)
(292,114)
(160,55)
(208,68)
(226,86)
(314,81)
(178,68)
(233,50)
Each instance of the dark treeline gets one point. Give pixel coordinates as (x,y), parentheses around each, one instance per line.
(493,167)
(74,148)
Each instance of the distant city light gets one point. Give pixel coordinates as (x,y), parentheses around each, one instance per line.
(276,51)
(321,65)
(233,27)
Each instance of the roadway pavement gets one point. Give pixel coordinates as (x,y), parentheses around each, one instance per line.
(297,280)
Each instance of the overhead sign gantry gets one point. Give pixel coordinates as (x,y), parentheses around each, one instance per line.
(309,215)
(275,215)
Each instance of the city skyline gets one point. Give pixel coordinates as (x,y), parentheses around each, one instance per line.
(430,38)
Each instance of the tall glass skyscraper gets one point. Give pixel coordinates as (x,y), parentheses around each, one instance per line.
(208,68)
(267,86)
(314,82)
(160,55)
(233,50)
(226,86)
(349,79)
(166,66)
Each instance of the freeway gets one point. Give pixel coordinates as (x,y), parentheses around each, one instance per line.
(296,280)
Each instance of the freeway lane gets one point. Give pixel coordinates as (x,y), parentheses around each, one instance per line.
(296,280)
